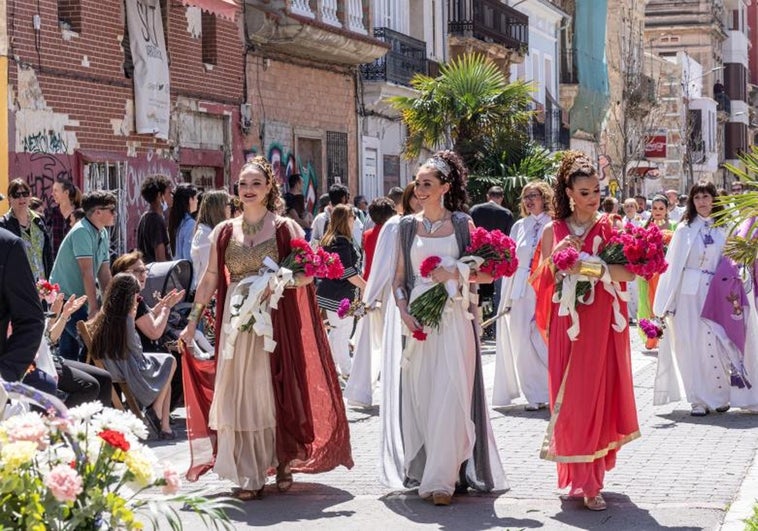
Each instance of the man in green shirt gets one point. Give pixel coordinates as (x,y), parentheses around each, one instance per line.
(82,259)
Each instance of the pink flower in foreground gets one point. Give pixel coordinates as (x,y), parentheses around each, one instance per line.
(173,481)
(27,427)
(64,483)
(566,259)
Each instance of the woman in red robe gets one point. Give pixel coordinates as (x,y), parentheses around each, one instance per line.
(252,410)
(592,404)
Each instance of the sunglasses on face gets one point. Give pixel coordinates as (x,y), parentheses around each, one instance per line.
(17,195)
(111,208)
(139,270)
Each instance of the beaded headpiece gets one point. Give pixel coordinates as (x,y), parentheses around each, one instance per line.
(440,165)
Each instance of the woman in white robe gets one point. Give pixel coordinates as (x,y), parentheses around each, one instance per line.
(521,351)
(446,433)
(694,349)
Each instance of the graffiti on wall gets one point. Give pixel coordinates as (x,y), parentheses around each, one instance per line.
(44,142)
(40,171)
(137,170)
(285,164)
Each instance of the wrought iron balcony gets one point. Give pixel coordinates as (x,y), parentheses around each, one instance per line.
(405,58)
(489,21)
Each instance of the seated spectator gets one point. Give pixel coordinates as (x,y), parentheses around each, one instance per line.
(151,323)
(380,210)
(75,382)
(116,343)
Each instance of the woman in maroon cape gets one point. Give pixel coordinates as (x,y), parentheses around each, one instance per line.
(280,410)
(592,404)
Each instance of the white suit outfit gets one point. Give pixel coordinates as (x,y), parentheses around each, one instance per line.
(520,349)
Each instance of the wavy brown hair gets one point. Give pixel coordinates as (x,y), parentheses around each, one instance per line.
(544,190)
(457,198)
(274,202)
(108,327)
(212,209)
(339,224)
(574,165)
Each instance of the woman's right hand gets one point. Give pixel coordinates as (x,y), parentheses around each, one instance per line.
(410,321)
(188,335)
(568,241)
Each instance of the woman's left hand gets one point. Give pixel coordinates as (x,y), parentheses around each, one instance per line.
(72,304)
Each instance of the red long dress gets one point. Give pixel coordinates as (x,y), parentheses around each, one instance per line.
(592,405)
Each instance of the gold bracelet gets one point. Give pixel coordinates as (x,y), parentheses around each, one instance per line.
(195,312)
(590,269)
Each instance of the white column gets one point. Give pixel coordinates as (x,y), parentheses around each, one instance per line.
(355,16)
(327,12)
(301,7)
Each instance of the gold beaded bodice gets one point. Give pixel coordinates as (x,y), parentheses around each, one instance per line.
(243,261)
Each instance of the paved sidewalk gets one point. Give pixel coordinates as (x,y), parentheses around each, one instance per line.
(682,474)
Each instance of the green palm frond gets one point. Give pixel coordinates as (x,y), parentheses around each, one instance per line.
(469,101)
(739,213)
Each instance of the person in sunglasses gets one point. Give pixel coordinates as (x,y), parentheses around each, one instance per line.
(82,259)
(25,223)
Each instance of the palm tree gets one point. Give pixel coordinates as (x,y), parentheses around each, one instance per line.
(469,102)
(740,213)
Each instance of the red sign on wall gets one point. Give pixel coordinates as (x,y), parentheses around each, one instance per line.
(655,147)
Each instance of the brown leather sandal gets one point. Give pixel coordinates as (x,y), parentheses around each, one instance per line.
(595,503)
(247,495)
(283,478)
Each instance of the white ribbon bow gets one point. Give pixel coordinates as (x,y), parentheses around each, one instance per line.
(567,301)
(247,303)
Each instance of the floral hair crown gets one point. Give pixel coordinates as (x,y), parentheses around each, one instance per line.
(440,165)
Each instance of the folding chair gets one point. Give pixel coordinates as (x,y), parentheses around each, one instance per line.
(131,401)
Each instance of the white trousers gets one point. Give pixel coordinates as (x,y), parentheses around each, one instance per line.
(339,341)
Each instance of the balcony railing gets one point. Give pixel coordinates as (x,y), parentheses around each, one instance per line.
(489,21)
(569,75)
(550,132)
(405,58)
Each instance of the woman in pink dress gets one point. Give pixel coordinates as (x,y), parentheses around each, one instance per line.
(592,404)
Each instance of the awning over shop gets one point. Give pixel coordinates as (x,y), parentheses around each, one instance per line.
(223,8)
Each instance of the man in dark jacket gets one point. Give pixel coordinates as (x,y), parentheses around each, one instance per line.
(20,308)
(492,215)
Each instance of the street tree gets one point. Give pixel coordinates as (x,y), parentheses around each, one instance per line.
(470,102)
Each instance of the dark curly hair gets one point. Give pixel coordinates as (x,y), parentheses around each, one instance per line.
(574,165)
(274,202)
(457,198)
(703,187)
(108,328)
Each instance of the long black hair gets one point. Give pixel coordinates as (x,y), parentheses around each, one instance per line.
(182,195)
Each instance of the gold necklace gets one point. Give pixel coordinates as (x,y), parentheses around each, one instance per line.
(251,229)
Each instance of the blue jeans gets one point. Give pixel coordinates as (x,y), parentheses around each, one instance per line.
(70,346)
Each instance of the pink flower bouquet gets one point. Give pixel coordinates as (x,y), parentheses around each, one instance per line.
(640,249)
(319,263)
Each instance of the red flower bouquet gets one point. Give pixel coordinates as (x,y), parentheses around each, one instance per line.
(496,249)
(640,249)
(47,291)
(319,263)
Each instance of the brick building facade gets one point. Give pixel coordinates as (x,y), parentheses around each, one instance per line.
(71,99)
